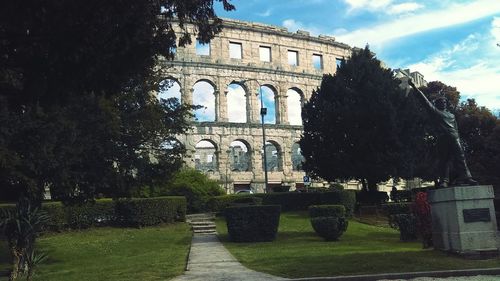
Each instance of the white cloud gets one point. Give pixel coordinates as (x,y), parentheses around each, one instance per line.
(169,89)
(404,8)
(293,25)
(203,95)
(294,107)
(467,66)
(368,4)
(236,104)
(266,13)
(399,27)
(495,29)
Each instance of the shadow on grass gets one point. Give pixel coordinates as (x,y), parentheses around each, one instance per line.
(332,264)
(4,259)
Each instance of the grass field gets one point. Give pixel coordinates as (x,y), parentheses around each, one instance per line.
(151,253)
(363,249)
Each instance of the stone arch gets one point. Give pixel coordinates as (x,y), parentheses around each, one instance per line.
(269,94)
(205,156)
(295,99)
(237,103)
(274,156)
(169,87)
(240,155)
(297,158)
(204,95)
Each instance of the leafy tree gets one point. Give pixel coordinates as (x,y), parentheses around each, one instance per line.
(196,186)
(355,125)
(75,110)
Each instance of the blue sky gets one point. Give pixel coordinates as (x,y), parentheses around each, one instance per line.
(450,41)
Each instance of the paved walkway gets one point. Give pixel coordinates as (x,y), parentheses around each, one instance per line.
(210,261)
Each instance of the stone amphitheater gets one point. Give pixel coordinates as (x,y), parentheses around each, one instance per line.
(246,67)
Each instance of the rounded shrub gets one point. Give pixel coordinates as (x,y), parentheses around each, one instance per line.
(407,225)
(327,211)
(252,223)
(196,187)
(330,228)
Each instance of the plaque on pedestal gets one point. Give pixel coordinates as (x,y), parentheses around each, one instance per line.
(463,220)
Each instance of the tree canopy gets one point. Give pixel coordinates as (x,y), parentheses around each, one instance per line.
(76,109)
(354,126)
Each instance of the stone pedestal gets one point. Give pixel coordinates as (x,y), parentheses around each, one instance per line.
(463,220)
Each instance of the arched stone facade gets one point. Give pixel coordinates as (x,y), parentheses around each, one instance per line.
(265,52)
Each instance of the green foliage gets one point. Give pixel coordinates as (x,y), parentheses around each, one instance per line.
(140,212)
(106,212)
(330,228)
(75,107)
(196,187)
(21,226)
(291,201)
(252,223)
(407,225)
(397,208)
(326,211)
(356,124)
(371,197)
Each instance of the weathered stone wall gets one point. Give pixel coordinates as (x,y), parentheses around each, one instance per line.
(220,70)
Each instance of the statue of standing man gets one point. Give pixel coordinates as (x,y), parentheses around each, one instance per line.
(450,150)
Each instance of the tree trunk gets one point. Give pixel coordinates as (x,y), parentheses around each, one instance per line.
(16,259)
(372,185)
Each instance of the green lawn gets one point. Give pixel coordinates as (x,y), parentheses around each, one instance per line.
(151,253)
(363,249)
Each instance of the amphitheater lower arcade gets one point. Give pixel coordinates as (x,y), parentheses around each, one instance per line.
(247,67)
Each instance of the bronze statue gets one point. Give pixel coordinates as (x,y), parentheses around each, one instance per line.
(450,149)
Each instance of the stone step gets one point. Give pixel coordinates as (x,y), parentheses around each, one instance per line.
(204,231)
(202,215)
(202,223)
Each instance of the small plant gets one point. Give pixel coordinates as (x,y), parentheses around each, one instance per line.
(328,221)
(422,211)
(253,223)
(330,228)
(21,227)
(407,225)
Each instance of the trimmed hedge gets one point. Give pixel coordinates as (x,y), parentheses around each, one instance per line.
(371,197)
(291,201)
(149,211)
(407,225)
(326,211)
(397,208)
(124,212)
(252,223)
(330,228)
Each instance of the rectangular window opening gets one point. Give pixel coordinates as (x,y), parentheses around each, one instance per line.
(265,53)
(235,50)
(317,61)
(338,61)
(202,49)
(293,58)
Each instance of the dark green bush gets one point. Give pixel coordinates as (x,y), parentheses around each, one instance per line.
(291,201)
(100,212)
(252,223)
(407,225)
(149,211)
(330,228)
(196,187)
(371,197)
(125,212)
(396,208)
(57,217)
(326,211)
